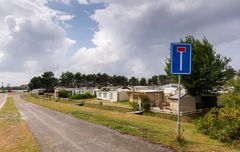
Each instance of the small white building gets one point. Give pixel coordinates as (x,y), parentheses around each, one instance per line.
(187,104)
(170,89)
(156,97)
(75,91)
(113,95)
(38,91)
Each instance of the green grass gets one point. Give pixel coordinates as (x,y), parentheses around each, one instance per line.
(122,103)
(14,133)
(187,118)
(153,129)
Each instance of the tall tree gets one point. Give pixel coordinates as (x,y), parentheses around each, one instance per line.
(78,79)
(230,73)
(163,79)
(143,81)
(35,83)
(208,67)
(48,81)
(133,81)
(155,80)
(67,79)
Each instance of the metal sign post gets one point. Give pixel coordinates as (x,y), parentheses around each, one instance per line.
(180,65)
(179,101)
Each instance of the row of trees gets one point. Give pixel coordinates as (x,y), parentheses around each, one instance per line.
(69,79)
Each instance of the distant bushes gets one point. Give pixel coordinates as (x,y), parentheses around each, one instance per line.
(82,96)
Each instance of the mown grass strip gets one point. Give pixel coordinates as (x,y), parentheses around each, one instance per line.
(153,129)
(14,133)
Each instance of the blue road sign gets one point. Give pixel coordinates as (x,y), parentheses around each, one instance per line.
(181,58)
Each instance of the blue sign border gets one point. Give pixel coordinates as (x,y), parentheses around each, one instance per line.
(171,50)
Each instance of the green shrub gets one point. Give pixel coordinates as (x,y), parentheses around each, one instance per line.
(135,106)
(145,103)
(222,124)
(64,94)
(82,96)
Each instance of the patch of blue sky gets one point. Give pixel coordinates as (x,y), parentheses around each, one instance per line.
(81,28)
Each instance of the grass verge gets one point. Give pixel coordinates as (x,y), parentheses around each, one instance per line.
(14,133)
(153,129)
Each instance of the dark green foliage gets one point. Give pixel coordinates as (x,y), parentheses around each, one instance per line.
(145,103)
(209,69)
(71,80)
(209,100)
(154,80)
(35,83)
(48,81)
(143,81)
(135,106)
(164,79)
(64,94)
(82,96)
(133,81)
(67,79)
(224,123)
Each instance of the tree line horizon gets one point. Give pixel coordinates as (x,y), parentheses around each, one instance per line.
(69,79)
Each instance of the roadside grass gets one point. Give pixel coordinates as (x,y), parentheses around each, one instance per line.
(123,103)
(186,118)
(14,133)
(92,103)
(153,129)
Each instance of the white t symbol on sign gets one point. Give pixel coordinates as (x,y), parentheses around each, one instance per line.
(181,50)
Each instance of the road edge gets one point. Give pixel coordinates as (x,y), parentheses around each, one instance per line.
(4,101)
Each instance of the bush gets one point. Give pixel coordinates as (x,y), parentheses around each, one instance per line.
(82,96)
(145,103)
(135,106)
(221,123)
(224,123)
(64,94)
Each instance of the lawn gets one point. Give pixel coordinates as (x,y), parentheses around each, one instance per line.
(153,129)
(14,133)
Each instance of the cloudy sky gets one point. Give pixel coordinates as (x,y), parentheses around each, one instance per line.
(127,37)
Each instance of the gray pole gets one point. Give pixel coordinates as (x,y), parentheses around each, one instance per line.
(179,100)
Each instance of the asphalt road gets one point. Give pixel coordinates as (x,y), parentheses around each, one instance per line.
(57,132)
(2,99)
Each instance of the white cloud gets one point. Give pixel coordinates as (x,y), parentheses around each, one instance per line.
(31,37)
(133,36)
(65,17)
(85,2)
(67,2)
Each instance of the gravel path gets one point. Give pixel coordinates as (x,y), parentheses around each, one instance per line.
(57,132)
